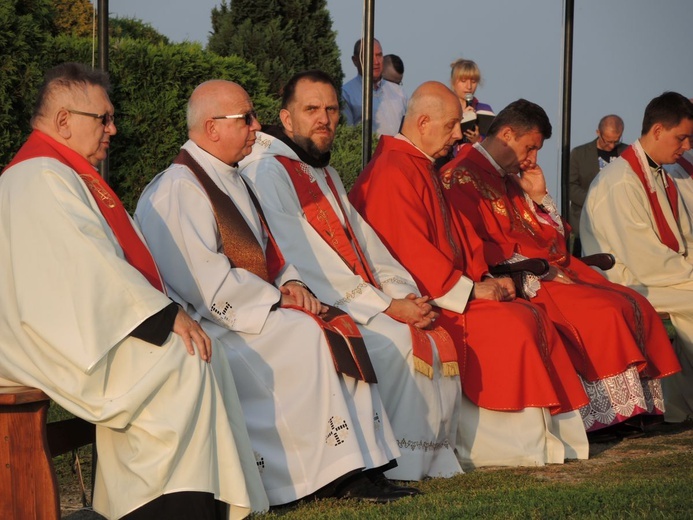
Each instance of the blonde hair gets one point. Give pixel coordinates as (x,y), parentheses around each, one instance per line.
(464,69)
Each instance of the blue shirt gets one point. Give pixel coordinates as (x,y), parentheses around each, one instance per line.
(389,105)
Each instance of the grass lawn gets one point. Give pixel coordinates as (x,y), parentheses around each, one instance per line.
(650,477)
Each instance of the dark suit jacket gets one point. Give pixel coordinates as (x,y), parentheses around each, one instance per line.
(584,167)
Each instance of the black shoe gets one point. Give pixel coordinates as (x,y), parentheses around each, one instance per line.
(386,484)
(601,436)
(629,431)
(361,488)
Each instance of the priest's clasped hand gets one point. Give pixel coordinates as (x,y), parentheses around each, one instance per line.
(414,310)
(193,335)
(556,275)
(294,293)
(496,289)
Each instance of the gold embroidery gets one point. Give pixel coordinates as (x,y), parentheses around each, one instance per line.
(351,295)
(395,280)
(463,176)
(96,189)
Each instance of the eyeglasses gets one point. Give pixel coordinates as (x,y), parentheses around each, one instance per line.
(106,119)
(610,143)
(248,117)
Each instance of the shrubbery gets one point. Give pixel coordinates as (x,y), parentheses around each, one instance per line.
(151,84)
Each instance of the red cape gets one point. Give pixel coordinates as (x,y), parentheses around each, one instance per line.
(510,356)
(590,313)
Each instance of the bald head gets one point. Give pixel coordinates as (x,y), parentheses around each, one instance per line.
(613,122)
(432,121)
(609,132)
(228,139)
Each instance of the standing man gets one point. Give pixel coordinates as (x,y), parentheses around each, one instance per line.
(499,187)
(347,266)
(634,212)
(585,162)
(389,99)
(85,319)
(520,392)
(314,424)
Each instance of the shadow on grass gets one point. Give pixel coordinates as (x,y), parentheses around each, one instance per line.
(648,477)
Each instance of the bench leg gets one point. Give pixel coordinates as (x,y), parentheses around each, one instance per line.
(28,485)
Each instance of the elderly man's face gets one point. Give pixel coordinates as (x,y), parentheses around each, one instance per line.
(236,136)
(311,119)
(609,138)
(88,135)
(442,130)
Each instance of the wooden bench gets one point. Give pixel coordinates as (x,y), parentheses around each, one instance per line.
(28,485)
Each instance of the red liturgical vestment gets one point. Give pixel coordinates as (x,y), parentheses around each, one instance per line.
(591,313)
(510,356)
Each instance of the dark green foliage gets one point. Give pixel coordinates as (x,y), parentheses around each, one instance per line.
(281,37)
(25,38)
(151,87)
(151,80)
(135,29)
(346,155)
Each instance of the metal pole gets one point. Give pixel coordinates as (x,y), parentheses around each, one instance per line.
(569,6)
(367,71)
(103,63)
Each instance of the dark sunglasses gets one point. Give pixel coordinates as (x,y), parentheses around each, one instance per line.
(248,117)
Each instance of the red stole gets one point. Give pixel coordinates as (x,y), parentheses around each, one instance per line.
(136,253)
(686,165)
(666,235)
(322,217)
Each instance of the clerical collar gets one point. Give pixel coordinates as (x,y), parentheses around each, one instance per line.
(652,164)
(316,162)
(403,137)
(218,165)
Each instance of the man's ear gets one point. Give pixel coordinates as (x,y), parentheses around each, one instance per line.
(285,118)
(211,132)
(506,134)
(61,122)
(422,123)
(656,130)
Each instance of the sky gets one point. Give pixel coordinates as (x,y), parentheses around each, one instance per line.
(625,52)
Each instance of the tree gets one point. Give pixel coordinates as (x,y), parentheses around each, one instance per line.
(151,85)
(135,29)
(281,37)
(26,35)
(74,17)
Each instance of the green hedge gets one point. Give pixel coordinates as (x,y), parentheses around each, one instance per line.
(151,85)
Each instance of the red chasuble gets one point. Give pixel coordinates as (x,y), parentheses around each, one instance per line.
(322,217)
(112,209)
(590,314)
(510,357)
